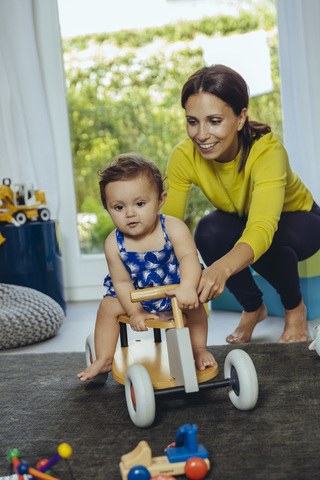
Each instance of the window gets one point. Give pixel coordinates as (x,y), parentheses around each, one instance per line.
(123,88)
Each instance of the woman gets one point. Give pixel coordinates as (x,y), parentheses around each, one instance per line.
(264,215)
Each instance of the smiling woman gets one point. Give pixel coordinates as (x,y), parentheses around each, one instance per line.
(261,205)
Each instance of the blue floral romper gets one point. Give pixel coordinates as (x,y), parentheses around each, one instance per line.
(149,269)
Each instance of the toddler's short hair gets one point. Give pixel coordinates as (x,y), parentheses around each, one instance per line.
(126,167)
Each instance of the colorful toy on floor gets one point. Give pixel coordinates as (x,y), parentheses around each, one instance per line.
(64,451)
(148,368)
(183,457)
(42,471)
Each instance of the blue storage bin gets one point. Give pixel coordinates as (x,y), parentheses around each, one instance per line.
(31,257)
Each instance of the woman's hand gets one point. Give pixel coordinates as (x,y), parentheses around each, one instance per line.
(212,282)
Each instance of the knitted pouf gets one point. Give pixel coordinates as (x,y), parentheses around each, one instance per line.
(27,316)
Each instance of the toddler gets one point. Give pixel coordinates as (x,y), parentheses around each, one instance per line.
(147,249)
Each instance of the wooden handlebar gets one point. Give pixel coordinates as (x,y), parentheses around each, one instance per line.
(152,293)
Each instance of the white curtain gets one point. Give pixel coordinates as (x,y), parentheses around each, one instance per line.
(299,43)
(34,128)
(31,81)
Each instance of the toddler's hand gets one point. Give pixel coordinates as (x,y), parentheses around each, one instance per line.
(137,320)
(186,295)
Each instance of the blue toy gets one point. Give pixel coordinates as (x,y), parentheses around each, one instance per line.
(185,445)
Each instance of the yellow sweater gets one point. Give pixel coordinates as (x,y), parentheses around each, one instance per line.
(261,192)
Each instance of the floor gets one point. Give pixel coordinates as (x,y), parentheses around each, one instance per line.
(80,320)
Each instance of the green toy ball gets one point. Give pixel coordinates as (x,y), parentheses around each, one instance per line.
(13,453)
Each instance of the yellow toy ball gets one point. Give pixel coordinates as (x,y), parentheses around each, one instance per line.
(64,450)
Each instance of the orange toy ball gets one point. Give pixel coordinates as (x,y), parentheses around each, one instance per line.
(196,468)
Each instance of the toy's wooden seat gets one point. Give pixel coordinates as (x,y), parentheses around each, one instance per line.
(165,320)
(171,319)
(153,355)
(141,455)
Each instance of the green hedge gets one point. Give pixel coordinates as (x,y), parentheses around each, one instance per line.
(128,102)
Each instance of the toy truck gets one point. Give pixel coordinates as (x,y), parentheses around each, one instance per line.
(183,457)
(22,203)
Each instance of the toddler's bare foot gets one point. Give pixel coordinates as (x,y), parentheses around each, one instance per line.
(203,358)
(295,327)
(248,321)
(93,370)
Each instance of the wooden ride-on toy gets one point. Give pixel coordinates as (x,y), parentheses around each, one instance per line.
(152,367)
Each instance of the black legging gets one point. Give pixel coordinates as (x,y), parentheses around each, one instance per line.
(297,238)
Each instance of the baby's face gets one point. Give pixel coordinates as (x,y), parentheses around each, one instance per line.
(133,205)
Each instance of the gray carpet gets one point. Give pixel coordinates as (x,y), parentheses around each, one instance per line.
(43,404)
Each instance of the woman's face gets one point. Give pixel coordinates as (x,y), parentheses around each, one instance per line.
(213,126)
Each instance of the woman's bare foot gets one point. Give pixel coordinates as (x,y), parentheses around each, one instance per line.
(203,358)
(248,321)
(93,370)
(295,326)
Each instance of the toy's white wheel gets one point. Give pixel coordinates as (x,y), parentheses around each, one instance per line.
(21,218)
(44,214)
(91,357)
(239,367)
(140,396)
(317,342)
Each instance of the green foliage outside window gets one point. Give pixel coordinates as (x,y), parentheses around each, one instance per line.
(124,95)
